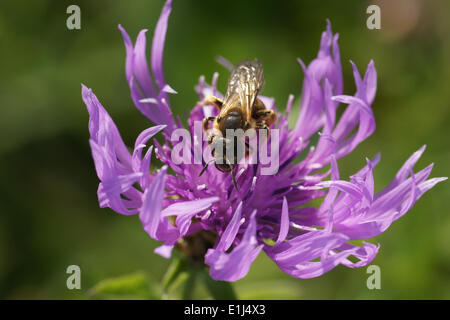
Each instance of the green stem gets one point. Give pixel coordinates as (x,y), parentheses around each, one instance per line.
(219,290)
(175,269)
(181,272)
(189,285)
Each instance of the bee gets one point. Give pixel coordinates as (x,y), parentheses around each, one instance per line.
(240,109)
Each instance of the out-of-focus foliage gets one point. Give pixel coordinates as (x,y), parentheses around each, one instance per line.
(132,286)
(49,216)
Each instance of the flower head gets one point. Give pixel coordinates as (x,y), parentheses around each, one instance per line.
(225,228)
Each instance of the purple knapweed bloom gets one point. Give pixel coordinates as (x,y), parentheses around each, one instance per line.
(209,219)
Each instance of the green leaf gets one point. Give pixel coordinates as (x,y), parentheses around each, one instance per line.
(133,286)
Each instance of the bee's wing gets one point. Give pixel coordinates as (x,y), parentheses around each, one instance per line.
(244,84)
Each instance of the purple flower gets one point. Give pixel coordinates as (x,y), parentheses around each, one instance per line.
(212,222)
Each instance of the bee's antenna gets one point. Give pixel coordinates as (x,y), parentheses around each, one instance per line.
(234,178)
(206,166)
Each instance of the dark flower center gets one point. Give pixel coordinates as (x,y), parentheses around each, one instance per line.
(196,245)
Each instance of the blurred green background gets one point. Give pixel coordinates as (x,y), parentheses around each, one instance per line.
(49,215)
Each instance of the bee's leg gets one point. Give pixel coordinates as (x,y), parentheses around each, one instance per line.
(233,177)
(268,116)
(206,166)
(248,149)
(211,101)
(206,122)
(211,139)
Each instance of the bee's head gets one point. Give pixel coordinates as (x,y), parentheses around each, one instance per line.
(219,152)
(222,163)
(223,167)
(222,148)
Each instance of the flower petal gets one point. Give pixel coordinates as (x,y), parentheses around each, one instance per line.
(294,256)
(164,251)
(188,207)
(158,44)
(236,264)
(104,132)
(186,210)
(140,80)
(141,144)
(284,222)
(150,214)
(227,238)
